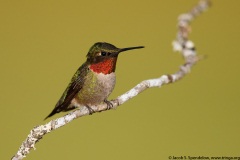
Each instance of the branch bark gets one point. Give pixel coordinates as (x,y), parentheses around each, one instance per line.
(181,44)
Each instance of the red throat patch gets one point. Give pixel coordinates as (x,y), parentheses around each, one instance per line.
(106,67)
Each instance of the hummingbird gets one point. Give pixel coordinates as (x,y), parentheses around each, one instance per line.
(94,80)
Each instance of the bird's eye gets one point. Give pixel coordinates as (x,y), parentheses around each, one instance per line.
(103,53)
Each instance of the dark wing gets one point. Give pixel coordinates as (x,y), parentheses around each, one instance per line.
(73,88)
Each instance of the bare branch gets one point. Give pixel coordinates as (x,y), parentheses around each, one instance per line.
(182,44)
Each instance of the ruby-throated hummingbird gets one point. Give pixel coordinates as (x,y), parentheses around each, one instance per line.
(93,81)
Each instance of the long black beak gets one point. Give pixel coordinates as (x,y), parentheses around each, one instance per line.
(130,48)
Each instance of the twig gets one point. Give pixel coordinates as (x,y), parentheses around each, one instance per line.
(181,44)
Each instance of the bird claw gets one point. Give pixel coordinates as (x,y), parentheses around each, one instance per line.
(109,104)
(91,111)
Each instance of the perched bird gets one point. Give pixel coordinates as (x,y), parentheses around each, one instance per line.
(94,81)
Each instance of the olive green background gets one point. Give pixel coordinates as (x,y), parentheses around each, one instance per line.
(42,43)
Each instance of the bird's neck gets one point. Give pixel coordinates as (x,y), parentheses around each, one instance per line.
(106,66)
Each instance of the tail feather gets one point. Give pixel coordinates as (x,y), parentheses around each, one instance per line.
(60,109)
(54,111)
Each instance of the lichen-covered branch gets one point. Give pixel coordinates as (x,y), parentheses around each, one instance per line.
(182,44)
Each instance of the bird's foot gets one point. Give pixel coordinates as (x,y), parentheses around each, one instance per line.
(91,111)
(109,104)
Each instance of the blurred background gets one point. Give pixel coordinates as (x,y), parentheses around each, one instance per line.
(42,43)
